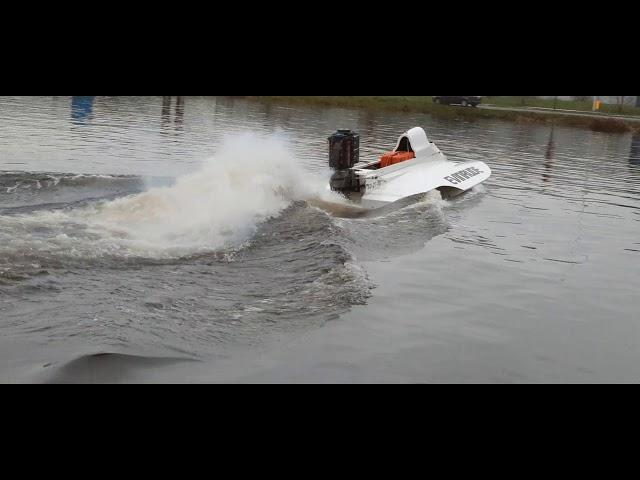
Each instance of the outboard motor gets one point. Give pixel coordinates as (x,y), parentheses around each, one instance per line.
(344,153)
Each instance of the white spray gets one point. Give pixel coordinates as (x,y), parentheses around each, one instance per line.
(250,180)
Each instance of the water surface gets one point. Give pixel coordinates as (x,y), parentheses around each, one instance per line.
(147,240)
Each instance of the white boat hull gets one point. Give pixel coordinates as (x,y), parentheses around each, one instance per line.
(418,176)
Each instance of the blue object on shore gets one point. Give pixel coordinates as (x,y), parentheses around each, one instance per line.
(81,109)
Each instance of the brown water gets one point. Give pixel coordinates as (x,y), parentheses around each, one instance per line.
(142,242)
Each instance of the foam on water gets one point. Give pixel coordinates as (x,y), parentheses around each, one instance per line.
(250,180)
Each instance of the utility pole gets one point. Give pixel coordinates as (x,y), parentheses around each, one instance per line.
(638,101)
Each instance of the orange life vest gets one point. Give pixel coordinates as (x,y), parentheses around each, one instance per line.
(392,158)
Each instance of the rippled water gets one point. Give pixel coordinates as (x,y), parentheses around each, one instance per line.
(147,241)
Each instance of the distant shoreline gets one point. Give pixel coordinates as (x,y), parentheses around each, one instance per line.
(425,105)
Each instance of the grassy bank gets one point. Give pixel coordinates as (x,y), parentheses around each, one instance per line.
(580,105)
(426,105)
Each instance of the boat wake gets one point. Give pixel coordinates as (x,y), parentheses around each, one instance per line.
(219,207)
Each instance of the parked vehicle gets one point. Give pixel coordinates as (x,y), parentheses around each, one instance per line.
(464,101)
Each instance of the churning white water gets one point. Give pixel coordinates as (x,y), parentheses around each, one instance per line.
(250,180)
